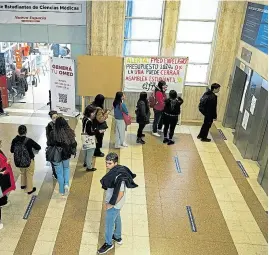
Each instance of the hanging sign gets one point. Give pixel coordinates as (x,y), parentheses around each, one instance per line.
(144,73)
(62,80)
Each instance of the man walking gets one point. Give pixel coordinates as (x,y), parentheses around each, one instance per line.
(115,183)
(208,107)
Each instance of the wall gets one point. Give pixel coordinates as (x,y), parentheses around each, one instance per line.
(106,33)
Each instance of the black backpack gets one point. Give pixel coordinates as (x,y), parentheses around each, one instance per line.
(202,104)
(21,155)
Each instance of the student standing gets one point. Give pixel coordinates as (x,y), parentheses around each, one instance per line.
(115,183)
(158,106)
(63,138)
(142,116)
(100,122)
(170,116)
(53,115)
(208,107)
(119,108)
(22,147)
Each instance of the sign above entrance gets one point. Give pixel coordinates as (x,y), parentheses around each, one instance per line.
(64,13)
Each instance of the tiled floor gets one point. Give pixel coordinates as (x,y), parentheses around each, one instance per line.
(228,209)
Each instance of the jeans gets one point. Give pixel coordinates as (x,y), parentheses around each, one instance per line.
(88,157)
(205,127)
(63,174)
(140,130)
(113,225)
(99,143)
(169,123)
(157,118)
(120,132)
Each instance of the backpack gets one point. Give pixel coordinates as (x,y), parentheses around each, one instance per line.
(21,155)
(152,100)
(202,104)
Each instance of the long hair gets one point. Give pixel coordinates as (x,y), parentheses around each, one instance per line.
(173,98)
(118,99)
(143,97)
(89,110)
(62,132)
(99,101)
(160,86)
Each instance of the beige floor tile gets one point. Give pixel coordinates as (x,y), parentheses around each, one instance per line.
(140,230)
(94,206)
(141,242)
(96,196)
(43,248)
(91,226)
(142,251)
(47,235)
(230,215)
(226,206)
(260,249)
(8,244)
(93,216)
(257,238)
(234,225)
(223,196)
(236,197)
(250,226)
(55,213)
(241,207)
(88,249)
(140,191)
(124,251)
(245,249)
(139,200)
(240,237)
(209,167)
(89,238)
(127,229)
(139,209)
(140,218)
(51,224)
(212,173)
(126,209)
(215,181)
(245,216)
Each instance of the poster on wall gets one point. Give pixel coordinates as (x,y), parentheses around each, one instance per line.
(245,120)
(255,28)
(253,104)
(62,82)
(144,73)
(35,13)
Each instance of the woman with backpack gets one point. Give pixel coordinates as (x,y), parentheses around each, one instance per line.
(170,116)
(100,123)
(62,138)
(159,98)
(53,115)
(142,116)
(119,109)
(23,149)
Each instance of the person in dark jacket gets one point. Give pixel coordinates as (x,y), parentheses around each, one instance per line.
(170,116)
(53,115)
(26,173)
(209,111)
(142,116)
(100,122)
(63,137)
(115,183)
(90,129)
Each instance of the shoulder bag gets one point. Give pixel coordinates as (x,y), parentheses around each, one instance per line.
(127,118)
(88,141)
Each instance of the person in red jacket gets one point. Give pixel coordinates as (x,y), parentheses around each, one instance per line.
(159,106)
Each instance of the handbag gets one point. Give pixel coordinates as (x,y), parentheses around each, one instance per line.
(54,154)
(88,141)
(126,117)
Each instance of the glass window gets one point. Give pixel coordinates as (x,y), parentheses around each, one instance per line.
(197,74)
(196,31)
(142,29)
(199,53)
(203,9)
(144,8)
(141,48)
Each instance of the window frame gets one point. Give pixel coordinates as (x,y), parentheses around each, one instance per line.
(212,50)
(144,40)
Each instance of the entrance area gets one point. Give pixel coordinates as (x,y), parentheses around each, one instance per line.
(27,73)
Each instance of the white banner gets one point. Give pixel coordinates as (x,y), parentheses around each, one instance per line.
(62,82)
(144,73)
(62,13)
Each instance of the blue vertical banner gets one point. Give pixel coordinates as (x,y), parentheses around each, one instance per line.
(255,28)
(128,27)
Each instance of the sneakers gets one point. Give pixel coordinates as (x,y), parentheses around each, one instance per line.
(91,170)
(160,130)
(140,140)
(66,189)
(23,187)
(105,248)
(31,192)
(170,142)
(143,135)
(84,165)
(117,240)
(99,155)
(198,137)
(165,140)
(156,134)
(206,140)
(125,145)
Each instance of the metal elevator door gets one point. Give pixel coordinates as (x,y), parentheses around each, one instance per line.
(235,98)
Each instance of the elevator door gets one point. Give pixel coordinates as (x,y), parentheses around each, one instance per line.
(236,94)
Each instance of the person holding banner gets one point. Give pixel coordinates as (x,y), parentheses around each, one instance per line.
(119,109)
(159,97)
